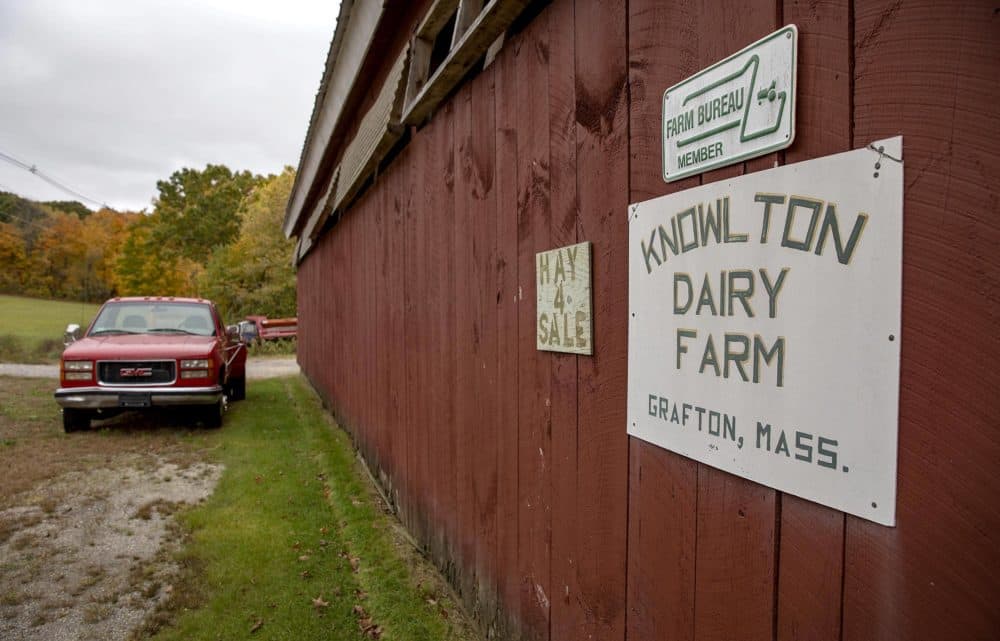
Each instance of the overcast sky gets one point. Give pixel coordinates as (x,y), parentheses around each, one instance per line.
(109,96)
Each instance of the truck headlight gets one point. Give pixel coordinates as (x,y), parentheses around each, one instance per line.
(194,363)
(78,366)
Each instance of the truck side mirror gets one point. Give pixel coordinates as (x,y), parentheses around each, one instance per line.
(233,333)
(71,335)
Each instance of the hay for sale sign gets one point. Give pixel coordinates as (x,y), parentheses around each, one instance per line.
(764,326)
(563,316)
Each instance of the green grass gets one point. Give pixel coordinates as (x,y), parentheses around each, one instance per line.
(276,347)
(291,521)
(31,329)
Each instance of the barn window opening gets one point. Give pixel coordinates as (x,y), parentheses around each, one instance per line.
(442,44)
(451,42)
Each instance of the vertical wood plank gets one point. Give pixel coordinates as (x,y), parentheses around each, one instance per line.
(662,543)
(466,389)
(507,342)
(439,212)
(416,362)
(737,556)
(602,445)
(663,486)
(392,328)
(566,613)
(475,384)
(735,581)
(484,456)
(934,575)
(402,204)
(534,367)
(812,536)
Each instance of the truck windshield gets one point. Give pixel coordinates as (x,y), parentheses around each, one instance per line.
(154,317)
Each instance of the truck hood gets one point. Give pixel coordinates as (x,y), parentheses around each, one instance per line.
(140,347)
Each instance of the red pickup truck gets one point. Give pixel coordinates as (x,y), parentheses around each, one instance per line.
(142,353)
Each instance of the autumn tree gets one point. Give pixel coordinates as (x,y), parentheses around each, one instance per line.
(13,259)
(255,275)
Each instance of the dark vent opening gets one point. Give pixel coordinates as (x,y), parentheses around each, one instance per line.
(442,44)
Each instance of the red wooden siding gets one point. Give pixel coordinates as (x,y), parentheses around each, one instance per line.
(512,466)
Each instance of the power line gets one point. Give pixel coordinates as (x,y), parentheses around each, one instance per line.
(33,169)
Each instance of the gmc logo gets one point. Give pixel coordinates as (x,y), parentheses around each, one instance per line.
(135,372)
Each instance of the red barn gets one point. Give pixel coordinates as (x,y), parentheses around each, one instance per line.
(451,141)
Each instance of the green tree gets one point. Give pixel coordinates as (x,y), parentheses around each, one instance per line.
(68,207)
(197,211)
(255,275)
(143,267)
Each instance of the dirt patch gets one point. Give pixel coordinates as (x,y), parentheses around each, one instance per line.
(34,448)
(89,555)
(271,367)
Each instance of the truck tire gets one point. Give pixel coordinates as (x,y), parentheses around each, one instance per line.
(75,420)
(238,388)
(211,415)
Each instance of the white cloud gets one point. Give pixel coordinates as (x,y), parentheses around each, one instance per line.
(113,95)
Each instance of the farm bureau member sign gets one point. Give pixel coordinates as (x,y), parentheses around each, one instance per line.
(739,108)
(764,326)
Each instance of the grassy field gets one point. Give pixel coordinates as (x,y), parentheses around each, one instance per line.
(293,543)
(31,329)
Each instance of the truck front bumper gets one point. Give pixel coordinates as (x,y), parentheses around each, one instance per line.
(102,398)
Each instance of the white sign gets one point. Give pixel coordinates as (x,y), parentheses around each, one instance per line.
(562,277)
(764,326)
(739,108)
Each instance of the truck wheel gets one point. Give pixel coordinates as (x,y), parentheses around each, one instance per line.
(75,420)
(212,415)
(238,389)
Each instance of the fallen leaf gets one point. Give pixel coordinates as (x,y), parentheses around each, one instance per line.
(257,626)
(432,601)
(444,613)
(305,574)
(323,530)
(318,602)
(355,563)
(296,545)
(360,611)
(323,543)
(304,557)
(361,594)
(257,479)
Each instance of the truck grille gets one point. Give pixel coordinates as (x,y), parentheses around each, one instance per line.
(136,372)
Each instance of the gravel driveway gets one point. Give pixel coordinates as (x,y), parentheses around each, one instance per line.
(257,368)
